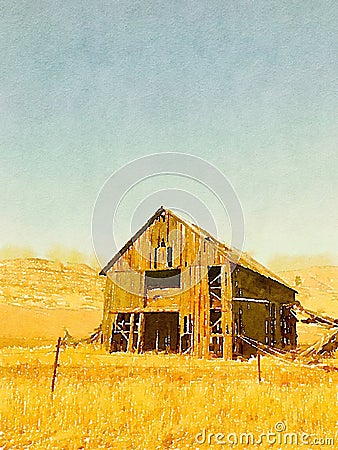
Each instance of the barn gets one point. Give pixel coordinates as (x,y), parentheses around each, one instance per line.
(173,287)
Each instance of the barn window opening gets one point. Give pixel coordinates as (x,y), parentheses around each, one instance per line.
(163,255)
(155,258)
(170,256)
(162,279)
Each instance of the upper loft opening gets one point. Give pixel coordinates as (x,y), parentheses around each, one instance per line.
(163,279)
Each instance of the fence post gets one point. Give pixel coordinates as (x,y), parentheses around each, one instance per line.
(259,365)
(56,363)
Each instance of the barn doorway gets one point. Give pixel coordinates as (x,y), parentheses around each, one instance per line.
(161,331)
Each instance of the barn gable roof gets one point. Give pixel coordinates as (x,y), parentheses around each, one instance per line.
(231,253)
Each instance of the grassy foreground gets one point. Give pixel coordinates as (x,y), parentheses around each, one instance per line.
(160,402)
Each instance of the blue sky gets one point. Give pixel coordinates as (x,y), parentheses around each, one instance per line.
(251,86)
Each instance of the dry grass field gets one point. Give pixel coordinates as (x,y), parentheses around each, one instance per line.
(147,401)
(161,402)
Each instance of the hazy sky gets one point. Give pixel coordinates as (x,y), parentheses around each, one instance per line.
(251,86)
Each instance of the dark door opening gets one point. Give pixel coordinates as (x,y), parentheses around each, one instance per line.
(161,331)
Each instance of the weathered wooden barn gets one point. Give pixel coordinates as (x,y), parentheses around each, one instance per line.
(173,287)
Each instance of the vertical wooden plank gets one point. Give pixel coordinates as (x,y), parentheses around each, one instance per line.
(206,326)
(196,312)
(131,334)
(181,239)
(113,318)
(189,247)
(167,220)
(191,302)
(227,311)
(181,325)
(224,317)
(107,319)
(206,313)
(140,341)
(201,315)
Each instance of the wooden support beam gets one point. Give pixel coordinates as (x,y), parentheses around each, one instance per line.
(140,339)
(131,334)
(195,306)
(206,323)
(199,318)
(181,331)
(227,310)
(107,319)
(112,328)
(204,312)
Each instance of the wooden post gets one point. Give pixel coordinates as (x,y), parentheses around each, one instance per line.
(200,320)
(197,288)
(107,320)
(56,363)
(259,366)
(131,334)
(140,341)
(204,313)
(206,324)
(227,310)
(181,332)
(157,340)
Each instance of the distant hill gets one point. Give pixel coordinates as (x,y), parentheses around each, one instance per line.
(49,284)
(39,298)
(317,287)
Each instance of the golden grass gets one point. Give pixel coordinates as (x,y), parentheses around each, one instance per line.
(154,401)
